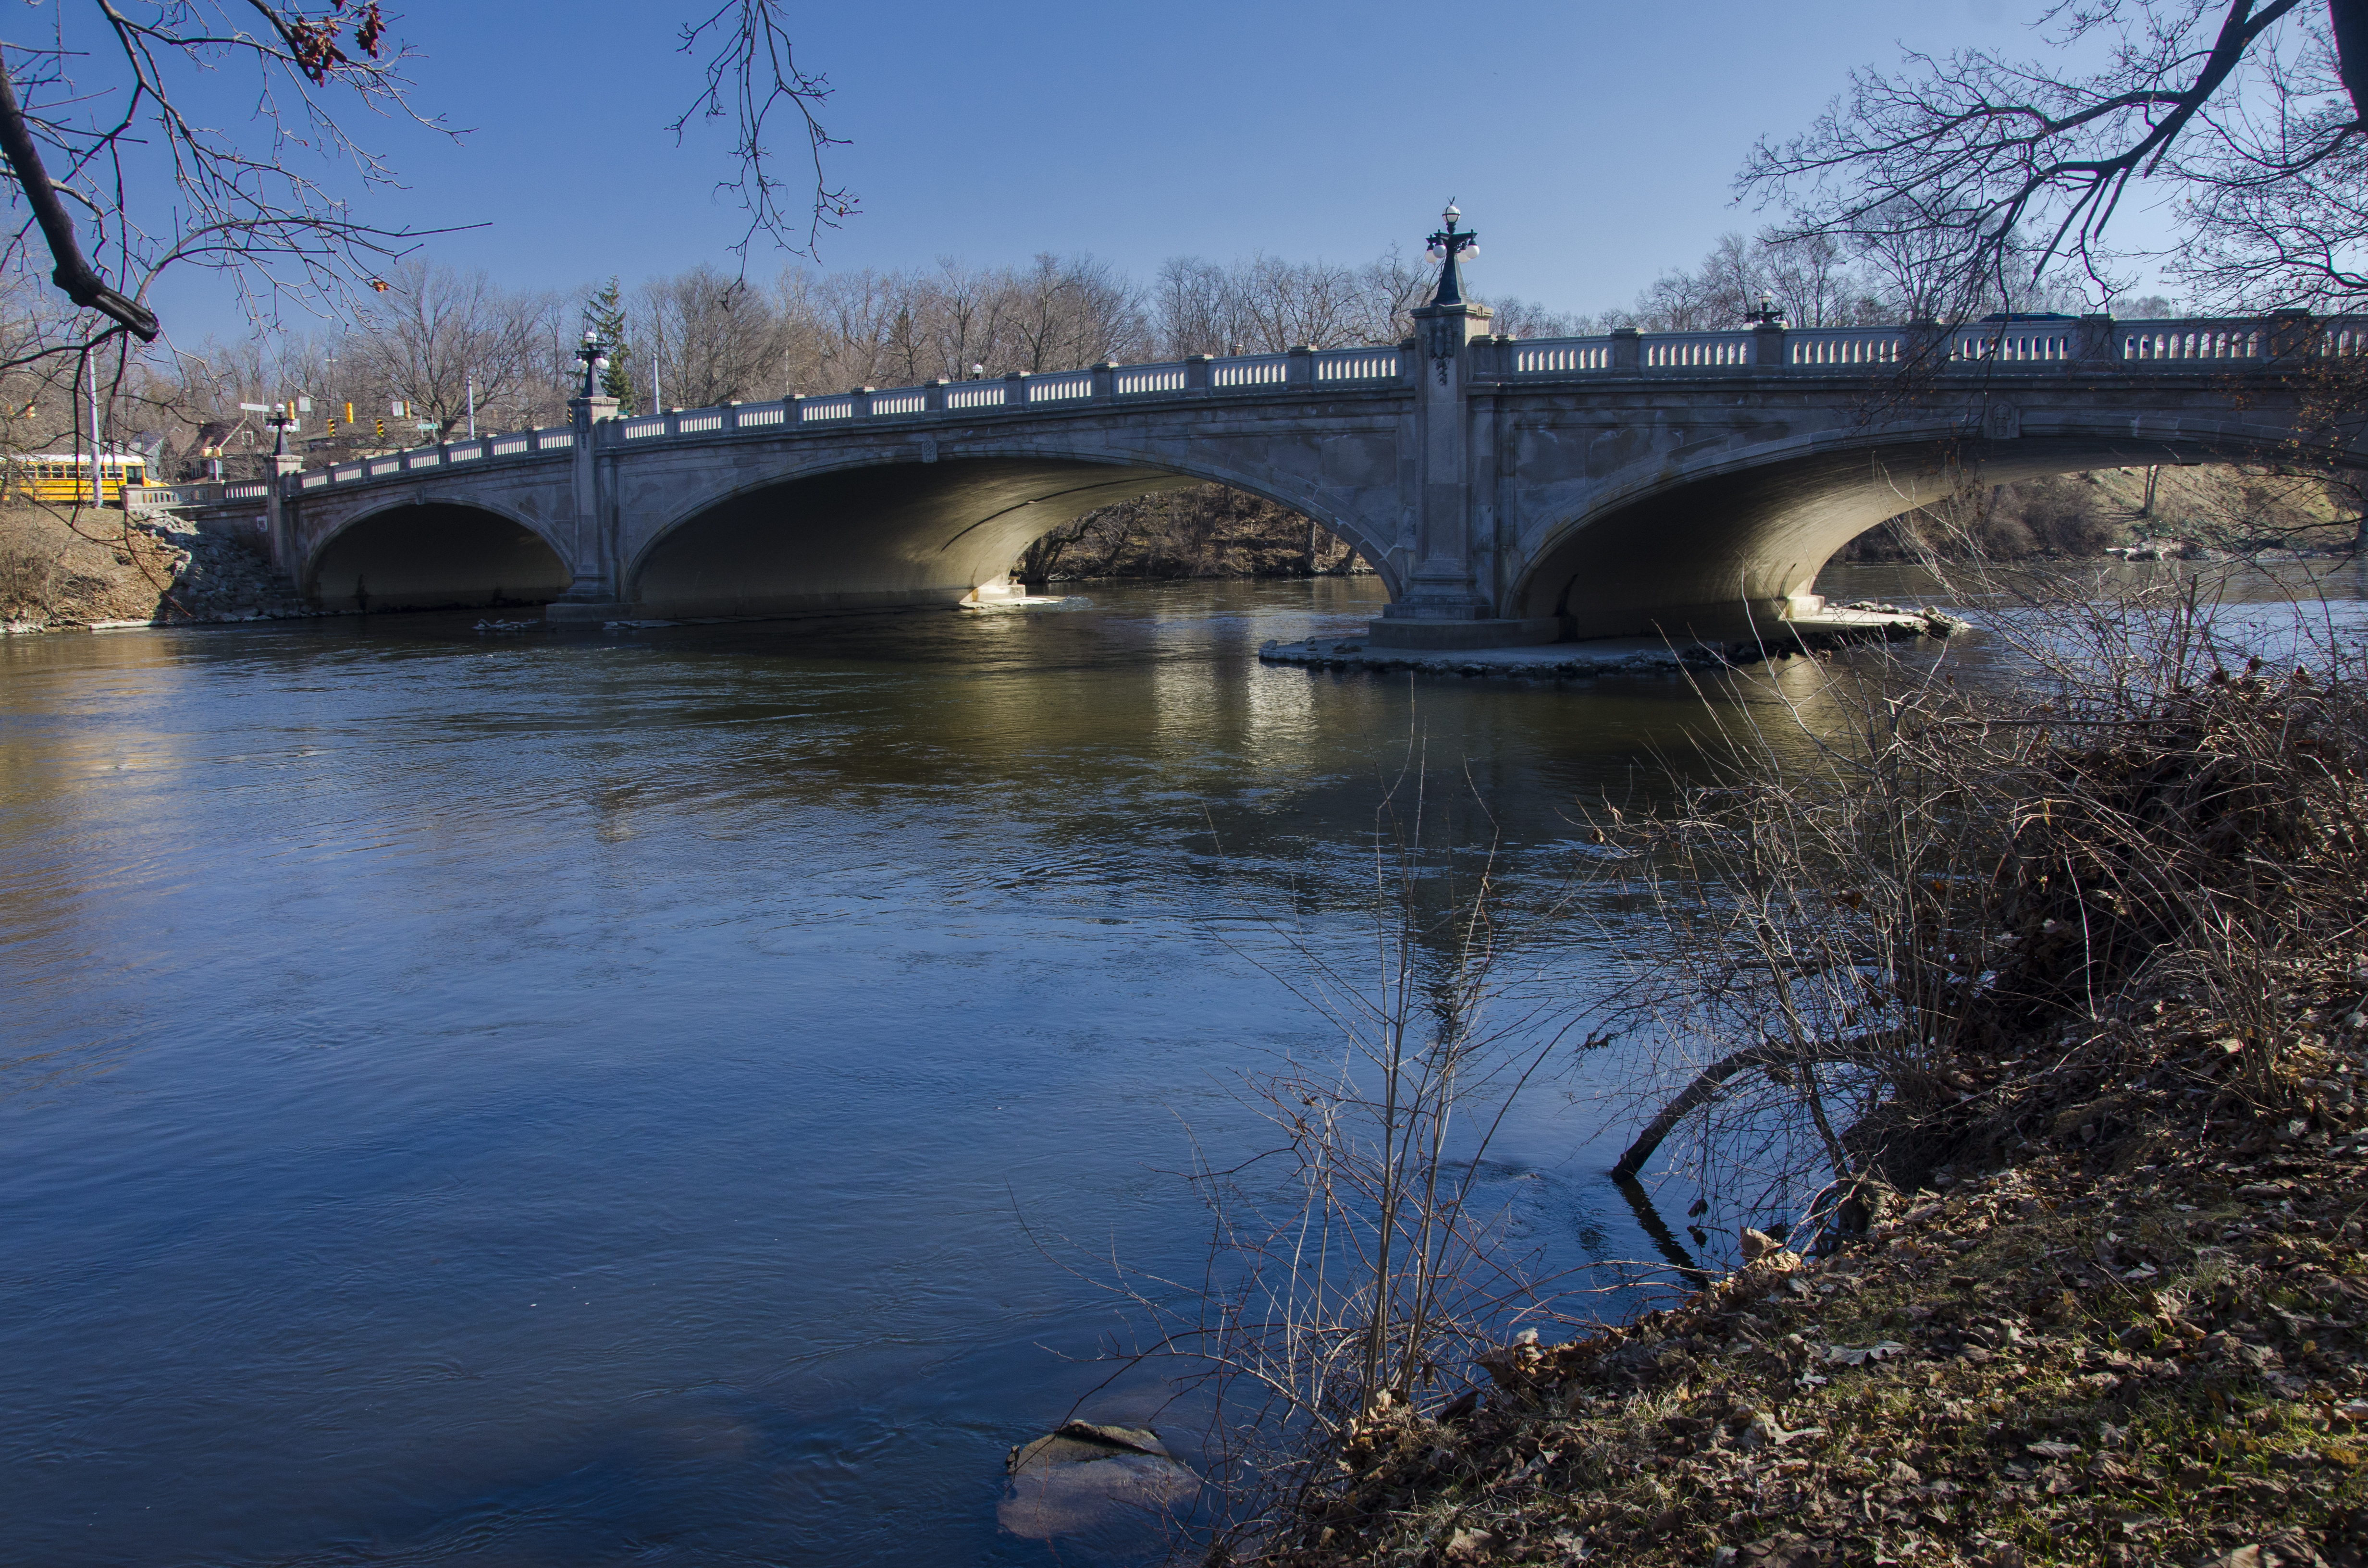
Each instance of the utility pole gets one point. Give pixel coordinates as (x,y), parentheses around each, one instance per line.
(472,405)
(90,371)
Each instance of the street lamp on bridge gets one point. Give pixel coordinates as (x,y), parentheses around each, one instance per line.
(595,357)
(1446,246)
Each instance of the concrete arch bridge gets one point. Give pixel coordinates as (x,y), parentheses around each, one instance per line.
(1505,492)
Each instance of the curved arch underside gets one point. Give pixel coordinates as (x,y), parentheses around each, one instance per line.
(439,555)
(1718,557)
(900,534)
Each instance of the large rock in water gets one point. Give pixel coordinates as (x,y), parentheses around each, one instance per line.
(1090,1479)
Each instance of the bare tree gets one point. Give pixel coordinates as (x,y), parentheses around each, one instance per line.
(753,75)
(1809,278)
(1076,312)
(96,115)
(2252,112)
(711,338)
(444,335)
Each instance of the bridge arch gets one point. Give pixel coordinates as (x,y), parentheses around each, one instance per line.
(433,551)
(897,529)
(1719,544)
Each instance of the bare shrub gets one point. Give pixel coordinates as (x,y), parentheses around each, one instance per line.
(1899,886)
(28,579)
(1354,1276)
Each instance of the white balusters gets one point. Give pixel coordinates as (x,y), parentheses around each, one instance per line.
(2010,345)
(900,400)
(1060,387)
(1131,379)
(813,409)
(1696,351)
(975,394)
(1561,356)
(1262,371)
(1847,347)
(1355,365)
(2148,341)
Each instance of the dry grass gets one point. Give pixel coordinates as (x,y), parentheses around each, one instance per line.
(96,568)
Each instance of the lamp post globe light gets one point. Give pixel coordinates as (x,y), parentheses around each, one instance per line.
(1447,247)
(594,355)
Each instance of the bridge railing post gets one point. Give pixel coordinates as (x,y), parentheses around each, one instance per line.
(2095,341)
(732,413)
(1767,349)
(1298,365)
(1627,348)
(1196,373)
(1105,379)
(860,399)
(2291,334)
(933,396)
(1015,389)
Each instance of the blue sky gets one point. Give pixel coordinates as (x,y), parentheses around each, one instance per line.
(1592,145)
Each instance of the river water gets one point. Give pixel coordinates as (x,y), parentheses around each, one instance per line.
(659,1096)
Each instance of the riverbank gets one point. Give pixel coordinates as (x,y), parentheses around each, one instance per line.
(2085,1278)
(97,568)
(2141,1345)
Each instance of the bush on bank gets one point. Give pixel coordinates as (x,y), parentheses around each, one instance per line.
(2063,999)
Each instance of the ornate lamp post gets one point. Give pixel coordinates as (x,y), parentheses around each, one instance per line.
(1446,247)
(1767,314)
(594,354)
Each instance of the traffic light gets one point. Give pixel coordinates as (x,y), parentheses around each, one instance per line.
(382,428)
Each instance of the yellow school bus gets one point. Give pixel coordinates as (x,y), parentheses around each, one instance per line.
(64,477)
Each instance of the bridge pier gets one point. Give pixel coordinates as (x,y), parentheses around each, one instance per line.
(1450,602)
(592,596)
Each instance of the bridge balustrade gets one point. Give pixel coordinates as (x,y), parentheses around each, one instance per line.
(1691,350)
(2014,346)
(1061,387)
(1555,356)
(1132,381)
(1355,365)
(1845,347)
(2146,342)
(2137,346)
(1262,371)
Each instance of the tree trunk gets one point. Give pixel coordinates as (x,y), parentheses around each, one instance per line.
(2351,19)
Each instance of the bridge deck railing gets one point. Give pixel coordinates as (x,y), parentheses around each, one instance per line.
(2028,345)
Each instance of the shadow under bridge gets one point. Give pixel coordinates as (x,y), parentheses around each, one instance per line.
(434,555)
(878,534)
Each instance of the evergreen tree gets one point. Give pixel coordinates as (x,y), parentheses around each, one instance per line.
(604,312)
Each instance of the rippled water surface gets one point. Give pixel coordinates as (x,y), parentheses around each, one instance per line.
(651,1096)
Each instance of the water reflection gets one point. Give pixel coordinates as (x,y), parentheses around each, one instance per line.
(577,1100)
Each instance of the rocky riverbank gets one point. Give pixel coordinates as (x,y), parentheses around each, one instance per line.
(99,568)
